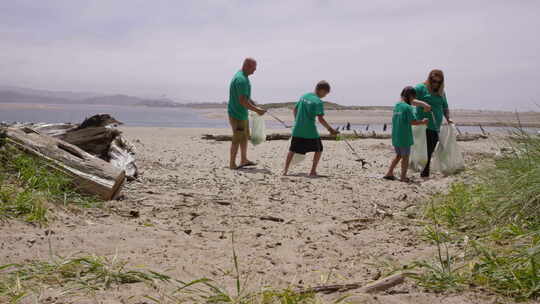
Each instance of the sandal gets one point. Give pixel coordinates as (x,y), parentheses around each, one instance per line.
(390,177)
(248,164)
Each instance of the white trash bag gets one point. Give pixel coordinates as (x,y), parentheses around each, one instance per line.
(258,129)
(418,159)
(448,157)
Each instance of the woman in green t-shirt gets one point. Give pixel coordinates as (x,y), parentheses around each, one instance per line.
(432,92)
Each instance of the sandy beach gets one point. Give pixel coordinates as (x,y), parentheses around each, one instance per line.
(339,228)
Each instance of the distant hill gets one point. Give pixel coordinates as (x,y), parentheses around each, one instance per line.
(10,94)
(32,96)
(117,100)
(126,100)
(50,94)
(327,106)
(205,105)
(16,97)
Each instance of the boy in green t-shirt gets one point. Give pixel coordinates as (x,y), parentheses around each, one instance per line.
(402,138)
(305,137)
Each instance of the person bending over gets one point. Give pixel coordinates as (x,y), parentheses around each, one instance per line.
(305,136)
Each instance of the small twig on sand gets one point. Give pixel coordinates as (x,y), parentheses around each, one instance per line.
(263,218)
(379,285)
(359,220)
(185,194)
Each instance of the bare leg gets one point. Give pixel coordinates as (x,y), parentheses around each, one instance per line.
(290,155)
(316,159)
(404,167)
(234,152)
(243,152)
(393,165)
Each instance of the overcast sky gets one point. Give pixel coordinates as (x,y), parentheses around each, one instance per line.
(189,50)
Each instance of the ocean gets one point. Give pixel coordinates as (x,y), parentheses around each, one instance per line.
(140,116)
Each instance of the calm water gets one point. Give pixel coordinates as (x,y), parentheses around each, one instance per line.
(130,116)
(153,117)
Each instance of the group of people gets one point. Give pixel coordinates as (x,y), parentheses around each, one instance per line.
(428,97)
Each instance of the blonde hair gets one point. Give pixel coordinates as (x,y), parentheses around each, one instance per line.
(435,73)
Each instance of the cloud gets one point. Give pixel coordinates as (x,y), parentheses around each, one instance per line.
(189,50)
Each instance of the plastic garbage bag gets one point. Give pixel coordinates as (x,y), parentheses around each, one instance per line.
(258,129)
(448,157)
(419,157)
(297,158)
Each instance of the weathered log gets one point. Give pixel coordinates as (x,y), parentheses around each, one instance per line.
(89,174)
(94,140)
(53,129)
(95,136)
(355,135)
(122,155)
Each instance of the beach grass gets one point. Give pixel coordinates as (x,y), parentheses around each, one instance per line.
(84,275)
(81,274)
(28,186)
(487,232)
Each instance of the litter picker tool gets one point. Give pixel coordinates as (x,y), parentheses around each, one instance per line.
(359,159)
(276,118)
(281,121)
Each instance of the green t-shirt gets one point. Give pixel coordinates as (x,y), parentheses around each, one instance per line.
(437,103)
(240,85)
(307,108)
(401,125)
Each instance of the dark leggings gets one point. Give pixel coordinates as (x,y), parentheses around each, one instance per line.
(432,138)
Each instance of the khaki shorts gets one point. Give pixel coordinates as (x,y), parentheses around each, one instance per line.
(240,130)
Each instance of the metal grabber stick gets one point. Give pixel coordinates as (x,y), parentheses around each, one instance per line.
(360,159)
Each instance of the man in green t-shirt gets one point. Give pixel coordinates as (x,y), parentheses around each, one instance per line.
(432,92)
(305,136)
(239,103)
(402,137)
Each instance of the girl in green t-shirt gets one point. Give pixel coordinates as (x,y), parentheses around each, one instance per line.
(402,138)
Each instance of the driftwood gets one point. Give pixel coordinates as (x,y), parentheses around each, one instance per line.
(122,155)
(379,285)
(89,173)
(470,137)
(95,136)
(355,135)
(263,218)
(94,140)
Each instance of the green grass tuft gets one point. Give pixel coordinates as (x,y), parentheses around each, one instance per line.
(78,274)
(28,186)
(500,214)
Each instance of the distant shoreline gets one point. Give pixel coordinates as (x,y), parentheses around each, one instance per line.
(364,115)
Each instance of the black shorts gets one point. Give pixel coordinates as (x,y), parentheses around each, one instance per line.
(304,145)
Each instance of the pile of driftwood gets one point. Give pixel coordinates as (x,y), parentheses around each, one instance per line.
(355,135)
(94,153)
